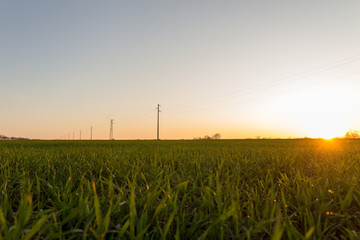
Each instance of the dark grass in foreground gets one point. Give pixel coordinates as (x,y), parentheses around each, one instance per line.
(227,189)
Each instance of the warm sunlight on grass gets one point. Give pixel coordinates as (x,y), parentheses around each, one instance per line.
(330,144)
(328,139)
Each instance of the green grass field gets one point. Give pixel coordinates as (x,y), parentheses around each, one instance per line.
(224,189)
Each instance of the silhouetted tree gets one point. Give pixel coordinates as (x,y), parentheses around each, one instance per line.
(216,136)
(352,134)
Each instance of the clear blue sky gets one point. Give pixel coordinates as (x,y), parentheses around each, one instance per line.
(241,68)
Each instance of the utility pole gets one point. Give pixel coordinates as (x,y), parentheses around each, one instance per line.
(158,121)
(73,135)
(91,133)
(111,136)
(80,134)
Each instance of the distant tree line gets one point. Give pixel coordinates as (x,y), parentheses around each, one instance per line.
(2,137)
(216,136)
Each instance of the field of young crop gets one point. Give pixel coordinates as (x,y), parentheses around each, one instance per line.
(216,189)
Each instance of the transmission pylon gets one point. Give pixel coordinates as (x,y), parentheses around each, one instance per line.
(158,122)
(111,136)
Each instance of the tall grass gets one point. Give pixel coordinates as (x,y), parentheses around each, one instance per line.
(238,189)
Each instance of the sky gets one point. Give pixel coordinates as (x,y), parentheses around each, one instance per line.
(239,68)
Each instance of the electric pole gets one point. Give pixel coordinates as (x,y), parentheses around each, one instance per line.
(158,121)
(111,136)
(80,134)
(91,133)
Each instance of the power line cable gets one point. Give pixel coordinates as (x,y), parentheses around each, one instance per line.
(141,117)
(290,78)
(287,91)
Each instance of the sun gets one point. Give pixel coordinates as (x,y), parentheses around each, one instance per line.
(326,124)
(326,129)
(321,112)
